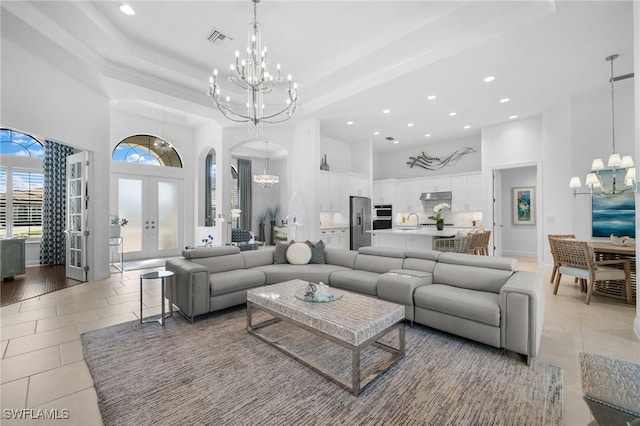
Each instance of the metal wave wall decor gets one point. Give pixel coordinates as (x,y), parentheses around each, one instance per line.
(436,163)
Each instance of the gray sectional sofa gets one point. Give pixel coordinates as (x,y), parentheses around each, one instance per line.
(477,297)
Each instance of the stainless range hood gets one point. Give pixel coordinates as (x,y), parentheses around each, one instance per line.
(436,196)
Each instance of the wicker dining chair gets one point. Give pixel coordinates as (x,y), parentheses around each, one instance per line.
(455,245)
(575,258)
(553,254)
(482,244)
(474,241)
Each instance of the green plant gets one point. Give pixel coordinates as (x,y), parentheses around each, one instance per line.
(272,212)
(117,221)
(438,212)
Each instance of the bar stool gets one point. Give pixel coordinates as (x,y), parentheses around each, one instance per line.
(163,276)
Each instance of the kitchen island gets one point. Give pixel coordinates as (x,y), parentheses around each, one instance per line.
(411,238)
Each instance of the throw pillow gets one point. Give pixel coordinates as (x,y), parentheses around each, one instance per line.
(280,252)
(317,252)
(298,254)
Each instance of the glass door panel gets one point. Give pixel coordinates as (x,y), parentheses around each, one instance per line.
(168,215)
(130,200)
(76,256)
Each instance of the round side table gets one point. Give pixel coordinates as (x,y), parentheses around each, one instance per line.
(164,277)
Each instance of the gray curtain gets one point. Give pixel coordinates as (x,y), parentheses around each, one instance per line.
(54,205)
(245,181)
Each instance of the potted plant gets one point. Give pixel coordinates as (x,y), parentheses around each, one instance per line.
(438,215)
(116,224)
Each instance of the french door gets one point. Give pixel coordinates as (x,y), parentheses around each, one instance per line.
(152,207)
(77,224)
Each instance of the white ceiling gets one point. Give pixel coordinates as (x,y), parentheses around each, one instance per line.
(351,59)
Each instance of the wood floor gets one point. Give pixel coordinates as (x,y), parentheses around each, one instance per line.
(37,280)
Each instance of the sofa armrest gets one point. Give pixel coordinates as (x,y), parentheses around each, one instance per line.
(522,310)
(190,287)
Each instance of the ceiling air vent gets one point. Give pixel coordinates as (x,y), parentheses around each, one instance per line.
(217,37)
(390,139)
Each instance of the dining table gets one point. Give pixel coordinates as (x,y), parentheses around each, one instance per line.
(605,250)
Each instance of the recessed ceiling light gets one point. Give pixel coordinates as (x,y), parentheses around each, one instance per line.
(349,122)
(431,97)
(376,133)
(503,100)
(396,141)
(127,9)
(513,116)
(428,135)
(467,127)
(489,78)
(451,114)
(386,111)
(409,124)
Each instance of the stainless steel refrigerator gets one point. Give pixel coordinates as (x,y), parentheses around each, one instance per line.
(359,222)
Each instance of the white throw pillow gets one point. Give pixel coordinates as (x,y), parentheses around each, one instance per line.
(298,254)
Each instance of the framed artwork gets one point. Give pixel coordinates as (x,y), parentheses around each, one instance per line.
(613,214)
(524,206)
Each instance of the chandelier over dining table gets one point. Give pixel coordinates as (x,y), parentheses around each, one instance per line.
(251,74)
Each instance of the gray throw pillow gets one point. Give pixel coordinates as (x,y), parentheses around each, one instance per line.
(280,252)
(317,252)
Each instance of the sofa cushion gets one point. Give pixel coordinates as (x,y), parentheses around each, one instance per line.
(478,306)
(314,273)
(258,257)
(382,251)
(280,252)
(340,257)
(480,273)
(200,252)
(228,262)
(358,281)
(230,281)
(298,254)
(377,264)
(317,252)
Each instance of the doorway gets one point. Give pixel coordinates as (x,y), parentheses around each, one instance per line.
(151,206)
(511,236)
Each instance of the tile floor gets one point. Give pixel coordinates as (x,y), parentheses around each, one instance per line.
(42,364)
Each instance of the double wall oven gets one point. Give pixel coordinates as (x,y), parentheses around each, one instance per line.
(382,216)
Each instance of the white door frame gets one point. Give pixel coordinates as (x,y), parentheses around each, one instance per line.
(77,223)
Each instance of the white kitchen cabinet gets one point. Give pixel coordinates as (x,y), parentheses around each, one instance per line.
(436,184)
(466,193)
(331,192)
(408,196)
(337,238)
(384,192)
(359,186)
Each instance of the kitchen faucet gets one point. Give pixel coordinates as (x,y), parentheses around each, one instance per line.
(417,219)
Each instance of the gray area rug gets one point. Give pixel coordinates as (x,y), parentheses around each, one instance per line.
(214,373)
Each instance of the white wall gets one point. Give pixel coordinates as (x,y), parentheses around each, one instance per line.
(338,154)
(393,164)
(636,67)
(40,99)
(517,240)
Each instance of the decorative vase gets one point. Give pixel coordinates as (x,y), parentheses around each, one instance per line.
(114,231)
(272,233)
(323,164)
(261,232)
(439,226)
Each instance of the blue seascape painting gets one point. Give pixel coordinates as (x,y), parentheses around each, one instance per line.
(613,214)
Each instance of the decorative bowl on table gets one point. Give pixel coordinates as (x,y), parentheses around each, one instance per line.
(621,241)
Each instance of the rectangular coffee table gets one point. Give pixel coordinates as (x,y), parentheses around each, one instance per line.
(353,322)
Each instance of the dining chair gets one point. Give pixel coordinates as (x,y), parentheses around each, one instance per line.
(482,246)
(553,254)
(456,245)
(575,258)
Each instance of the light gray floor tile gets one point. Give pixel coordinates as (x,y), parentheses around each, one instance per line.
(42,340)
(28,316)
(71,352)
(65,320)
(17,330)
(14,394)
(31,363)
(59,382)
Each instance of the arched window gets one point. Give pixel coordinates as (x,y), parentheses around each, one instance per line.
(16,143)
(147,149)
(21,185)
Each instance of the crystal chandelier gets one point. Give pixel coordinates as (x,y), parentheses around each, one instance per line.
(607,183)
(266,180)
(251,75)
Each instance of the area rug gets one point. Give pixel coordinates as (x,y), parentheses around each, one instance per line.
(213,372)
